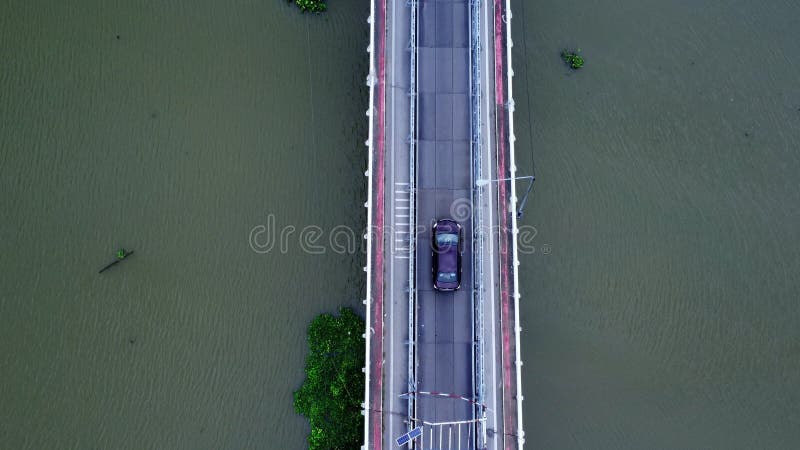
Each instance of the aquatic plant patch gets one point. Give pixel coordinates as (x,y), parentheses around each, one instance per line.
(316,6)
(572,58)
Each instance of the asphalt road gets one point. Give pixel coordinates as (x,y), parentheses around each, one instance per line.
(444,358)
(444,320)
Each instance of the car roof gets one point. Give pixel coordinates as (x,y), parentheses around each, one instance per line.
(448,258)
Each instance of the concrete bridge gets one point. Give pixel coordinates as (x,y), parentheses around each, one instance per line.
(442,365)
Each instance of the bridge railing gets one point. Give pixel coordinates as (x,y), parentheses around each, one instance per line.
(479,238)
(514,229)
(371,82)
(514,436)
(412,216)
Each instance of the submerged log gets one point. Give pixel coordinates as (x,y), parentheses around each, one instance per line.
(121,255)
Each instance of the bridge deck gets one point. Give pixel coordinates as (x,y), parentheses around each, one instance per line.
(438,185)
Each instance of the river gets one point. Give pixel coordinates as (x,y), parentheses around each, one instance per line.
(659,310)
(173,129)
(666,312)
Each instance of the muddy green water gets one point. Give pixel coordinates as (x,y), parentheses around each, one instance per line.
(174,140)
(666,314)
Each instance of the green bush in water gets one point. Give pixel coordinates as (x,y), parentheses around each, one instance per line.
(332,393)
(572,58)
(316,6)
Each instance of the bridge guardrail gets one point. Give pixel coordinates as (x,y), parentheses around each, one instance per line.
(514,436)
(412,219)
(371,82)
(478,227)
(514,229)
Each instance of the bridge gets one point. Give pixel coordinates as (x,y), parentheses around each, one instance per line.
(443,369)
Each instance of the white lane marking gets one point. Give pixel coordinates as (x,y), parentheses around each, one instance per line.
(450,439)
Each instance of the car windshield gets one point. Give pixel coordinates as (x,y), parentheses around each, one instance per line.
(445,239)
(447,277)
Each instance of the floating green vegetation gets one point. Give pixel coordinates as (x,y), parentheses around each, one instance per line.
(316,6)
(333,390)
(572,58)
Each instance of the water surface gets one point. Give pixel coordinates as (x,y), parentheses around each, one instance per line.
(171,128)
(666,314)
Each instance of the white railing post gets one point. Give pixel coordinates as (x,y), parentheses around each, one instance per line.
(515,231)
(371,82)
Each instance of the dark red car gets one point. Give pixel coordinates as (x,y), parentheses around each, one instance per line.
(447,246)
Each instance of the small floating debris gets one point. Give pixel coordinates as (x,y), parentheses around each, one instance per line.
(573,58)
(121,255)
